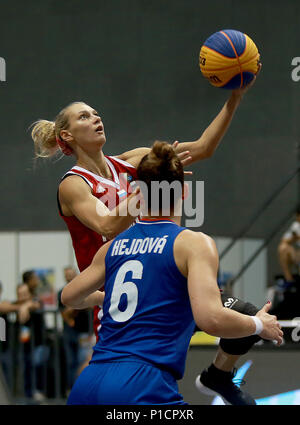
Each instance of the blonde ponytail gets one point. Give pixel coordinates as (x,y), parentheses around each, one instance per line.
(46,135)
(44,138)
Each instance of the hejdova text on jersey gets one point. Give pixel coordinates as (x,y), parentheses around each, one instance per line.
(139,246)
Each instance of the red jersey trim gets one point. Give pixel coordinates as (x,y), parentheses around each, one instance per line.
(156,220)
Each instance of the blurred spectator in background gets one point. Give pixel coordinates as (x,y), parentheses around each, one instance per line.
(289,250)
(6,306)
(27,305)
(6,355)
(286,291)
(32,336)
(77,340)
(32,281)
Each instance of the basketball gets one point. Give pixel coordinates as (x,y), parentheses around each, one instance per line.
(229,59)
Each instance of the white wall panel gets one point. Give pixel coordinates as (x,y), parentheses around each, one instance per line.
(255,278)
(9,264)
(251,286)
(45,250)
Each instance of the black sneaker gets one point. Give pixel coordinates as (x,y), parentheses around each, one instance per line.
(216,382)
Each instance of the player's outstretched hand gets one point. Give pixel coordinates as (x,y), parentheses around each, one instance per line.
(271,328)
(243,90)
(184,157)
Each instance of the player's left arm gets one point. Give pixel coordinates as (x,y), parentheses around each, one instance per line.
(134,156)
(205,146)
(82,291)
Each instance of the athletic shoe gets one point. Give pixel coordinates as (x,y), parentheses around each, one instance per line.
(215,382)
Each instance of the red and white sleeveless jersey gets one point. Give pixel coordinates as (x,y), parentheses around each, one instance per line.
(87,242)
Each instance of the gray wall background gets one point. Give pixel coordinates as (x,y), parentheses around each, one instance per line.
(136,61)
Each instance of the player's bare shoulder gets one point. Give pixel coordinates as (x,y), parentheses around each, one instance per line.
(193,246)
(72,189)
(73,186)
(195,242)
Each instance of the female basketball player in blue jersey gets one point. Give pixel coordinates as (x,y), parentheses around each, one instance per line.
(159,280)
(78,130)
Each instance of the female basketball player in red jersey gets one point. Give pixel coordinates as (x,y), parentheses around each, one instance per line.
(78,130)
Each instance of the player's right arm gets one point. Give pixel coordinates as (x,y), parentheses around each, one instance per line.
(76,198)
(199,262)
(82,292)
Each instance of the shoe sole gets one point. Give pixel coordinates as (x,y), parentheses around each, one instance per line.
(207,391)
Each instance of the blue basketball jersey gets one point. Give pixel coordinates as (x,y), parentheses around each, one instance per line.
(147,314)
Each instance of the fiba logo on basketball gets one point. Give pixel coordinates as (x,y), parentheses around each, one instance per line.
(2,69)
(2,329)
(296,71)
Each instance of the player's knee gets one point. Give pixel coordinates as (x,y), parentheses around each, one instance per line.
(238,305)
(250,309)
(238,346)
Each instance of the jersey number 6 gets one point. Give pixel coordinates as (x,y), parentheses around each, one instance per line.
(129,288)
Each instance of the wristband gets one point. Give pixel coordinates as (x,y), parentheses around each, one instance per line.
(258,325)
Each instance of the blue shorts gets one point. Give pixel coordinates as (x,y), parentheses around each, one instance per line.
(125,382)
